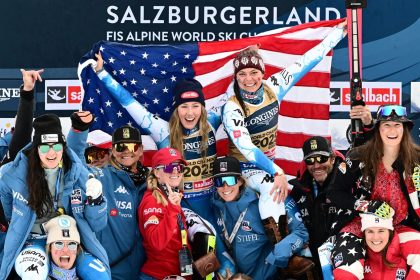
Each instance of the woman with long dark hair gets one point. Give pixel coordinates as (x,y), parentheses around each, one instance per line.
(379,177)
(45,180)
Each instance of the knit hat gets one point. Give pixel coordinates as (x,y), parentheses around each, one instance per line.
(188,90)
(316,145)
(226,166)
(62,227)
(166,156)
(47,130)
(126,134)
(370,220)
(248,58)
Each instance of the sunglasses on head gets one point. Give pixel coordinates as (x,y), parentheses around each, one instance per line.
(44,148)
(319,159)
(388,110)
(132,147)
(59,245)
(173,166)
(228,180)
(95,155)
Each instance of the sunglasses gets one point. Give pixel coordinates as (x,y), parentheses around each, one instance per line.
(388,110)
(319,159)
(44,148)
(59,245)
(179,167)
(228,180)
(95,155)
(132,147)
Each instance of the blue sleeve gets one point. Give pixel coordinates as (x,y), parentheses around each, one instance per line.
(4,144)
(153,125)
(76,140)
(294,242)
(233,121)
(281,82)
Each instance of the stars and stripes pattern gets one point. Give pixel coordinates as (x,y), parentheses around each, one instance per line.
(149,73)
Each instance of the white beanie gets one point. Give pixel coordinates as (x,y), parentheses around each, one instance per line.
(371,220)
(62,228)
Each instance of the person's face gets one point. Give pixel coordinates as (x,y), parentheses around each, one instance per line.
(97,157)
(377,238)
(228,189)
(319,167)
(127,154)
(249,79)
(64,253)
(171,174)
(189,114)
(50,154)
(391,132)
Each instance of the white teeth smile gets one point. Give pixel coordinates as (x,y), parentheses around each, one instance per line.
(227,193)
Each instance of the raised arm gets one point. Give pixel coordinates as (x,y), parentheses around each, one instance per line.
(155,126)
(281,82)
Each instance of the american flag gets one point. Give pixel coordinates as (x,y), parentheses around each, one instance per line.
(149,72)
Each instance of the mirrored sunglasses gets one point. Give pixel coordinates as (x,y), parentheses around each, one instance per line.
(132,147)
(44,148)
(174,166)
(229,180)
(388,110)
(319,159)
(59,245)
(95,155)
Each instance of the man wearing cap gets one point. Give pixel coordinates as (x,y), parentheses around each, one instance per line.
(124,185)
(309,189)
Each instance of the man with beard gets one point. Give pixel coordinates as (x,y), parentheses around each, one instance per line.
(309,188)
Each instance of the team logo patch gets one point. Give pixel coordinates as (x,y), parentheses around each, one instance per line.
(400,274)
(342,167)
(64,222)
(76,196)
(152,220)
(126,133)
(338,260)
(113,212)
(189,94)
(65,233)
(246,226)
(236,133)
(223,166)
(49,138)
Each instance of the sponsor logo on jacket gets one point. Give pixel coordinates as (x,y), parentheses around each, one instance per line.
(76,196)
(152,220)
(152,210)
(19,196)
(123,204)
(121,189)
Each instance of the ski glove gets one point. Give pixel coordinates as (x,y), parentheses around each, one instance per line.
(78,124)
(377,207)
(94,191)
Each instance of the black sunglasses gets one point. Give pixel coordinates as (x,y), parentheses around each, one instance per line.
(319,159)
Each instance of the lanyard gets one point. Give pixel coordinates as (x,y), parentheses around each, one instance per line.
(183,231)
(57,187)
(315,188)
(230,238)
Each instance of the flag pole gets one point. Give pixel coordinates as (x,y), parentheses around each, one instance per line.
(354,25)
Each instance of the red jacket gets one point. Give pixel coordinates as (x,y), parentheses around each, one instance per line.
(375,269)
(161,236)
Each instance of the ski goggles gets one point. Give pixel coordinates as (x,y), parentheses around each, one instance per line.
(228,180)
(59,245)
(173,166)
(320,159)
(388,110)
(132,147)
(44,148)
(95,154)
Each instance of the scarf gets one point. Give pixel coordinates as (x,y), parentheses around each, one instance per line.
(139,177)
(61,273)
(253,97)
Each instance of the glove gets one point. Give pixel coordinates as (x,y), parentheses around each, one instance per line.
(377,207)
(416,178)
(227,265)
(94,191)
(78,124)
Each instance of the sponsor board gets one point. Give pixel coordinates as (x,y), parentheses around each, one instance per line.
(62,94)
(415,97)
(9,95)
(374,95)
